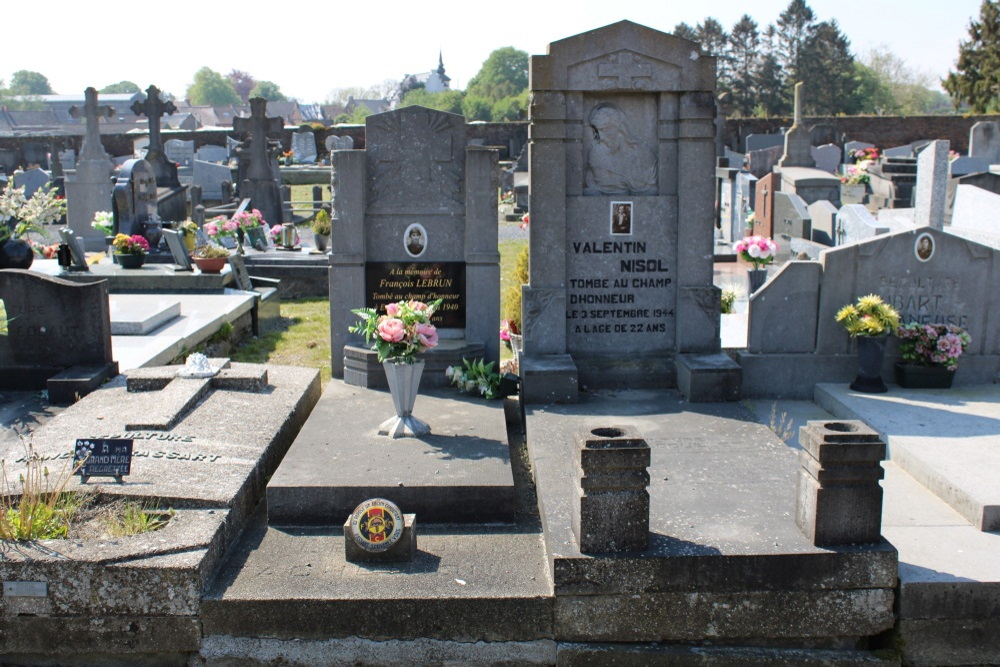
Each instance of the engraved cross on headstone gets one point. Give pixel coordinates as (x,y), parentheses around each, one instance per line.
(259,126)
(626,70)
(92,148)
(162,398)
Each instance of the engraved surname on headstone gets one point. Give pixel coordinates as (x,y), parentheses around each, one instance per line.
(389,282)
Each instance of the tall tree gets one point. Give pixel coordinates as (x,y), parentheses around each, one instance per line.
(771,100)
(715,41)
(743,48)
(243,84)
(907,92)
(976,80)
(269,91)
(827,68)
(121,88)
(211,88)
(687,32)
(795,24)
(26,82)
(503,74)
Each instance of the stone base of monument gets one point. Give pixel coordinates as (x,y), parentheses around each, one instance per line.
(76,382)
(709,378)
(171,203)
(550,378)
(363,369)
(402,551)
(201,447)
(459,473)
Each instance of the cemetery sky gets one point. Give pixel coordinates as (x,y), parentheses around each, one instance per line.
(309,52)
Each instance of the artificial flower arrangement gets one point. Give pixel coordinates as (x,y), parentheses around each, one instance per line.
(856,175)
(50,251)
(758,250)
(865,155)
(210,251)
(130,245)
(869,317)
(402,332)
(507,328)
(932,344)
(476,376)
(220,226)
(44,207)
(249,219)
(103,222)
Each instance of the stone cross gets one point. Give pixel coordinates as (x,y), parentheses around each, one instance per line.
(173,396)
(798,147)
(153,107)
(259,126)
(92,148)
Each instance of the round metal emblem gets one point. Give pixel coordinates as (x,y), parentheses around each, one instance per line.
(376,525)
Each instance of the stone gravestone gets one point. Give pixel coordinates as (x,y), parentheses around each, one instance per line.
(134,202)
(827,157)
(853,146)
(209,176)
(929,276)
(856,223)
(89,190)
(965,165)
(260,184)
(416,174)
(824,216)
(335,143)
(984,141)
(622,157)
(798,145)
(757,142)
(304,145)
(31,180)
(977,210)
(932,185)
(179,151)
(59,335)
(791,221)
(212,153)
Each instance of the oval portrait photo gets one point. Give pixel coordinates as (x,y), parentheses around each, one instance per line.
(415,240)
(924,247)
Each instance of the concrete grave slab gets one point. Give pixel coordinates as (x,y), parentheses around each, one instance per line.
(976,209)
(459,473)
(137,315)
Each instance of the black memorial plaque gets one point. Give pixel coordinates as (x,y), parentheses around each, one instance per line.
(389,282)
(103,458)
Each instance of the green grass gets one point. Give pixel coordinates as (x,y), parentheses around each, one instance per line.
(303,193)
(508,253)
(302,338)
(137,517)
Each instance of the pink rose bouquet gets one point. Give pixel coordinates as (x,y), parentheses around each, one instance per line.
(402,332)
(221,226)
(758,250)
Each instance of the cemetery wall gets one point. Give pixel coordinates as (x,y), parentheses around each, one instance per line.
(883,131)
(501,135)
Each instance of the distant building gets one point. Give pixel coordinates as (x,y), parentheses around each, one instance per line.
(436,80)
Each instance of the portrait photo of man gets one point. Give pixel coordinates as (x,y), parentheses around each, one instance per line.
(415,240)
(621,217)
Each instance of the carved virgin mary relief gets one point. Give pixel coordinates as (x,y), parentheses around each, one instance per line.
(618,163)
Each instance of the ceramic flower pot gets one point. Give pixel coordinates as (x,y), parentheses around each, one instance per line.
(912,376)
(127,261)
(871,351)
(404,381)
(321,241)
(16,254)
(210,264)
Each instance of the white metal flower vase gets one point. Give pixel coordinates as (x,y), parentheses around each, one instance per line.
(404,381)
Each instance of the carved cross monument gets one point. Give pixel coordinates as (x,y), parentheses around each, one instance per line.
(92,148)
(798,147)
(153,107)
(260,185)
(89,190)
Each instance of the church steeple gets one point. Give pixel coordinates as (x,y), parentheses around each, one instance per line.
(440,69)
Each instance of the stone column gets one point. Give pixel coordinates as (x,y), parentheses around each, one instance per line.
(482,261)
(839,499)
(612,513)
(347,251)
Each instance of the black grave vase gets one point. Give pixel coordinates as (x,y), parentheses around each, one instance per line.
(16,254)
(871,351)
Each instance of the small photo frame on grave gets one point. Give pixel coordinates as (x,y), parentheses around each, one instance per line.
(76,252)
(227,242)
(923,247)
(178,251)
(415,240)
(621,218)
(240,273)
